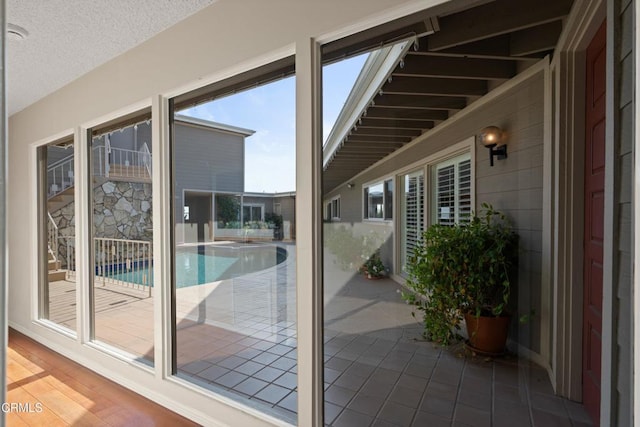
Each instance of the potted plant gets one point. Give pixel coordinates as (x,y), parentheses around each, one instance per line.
(465,270)
(373,268)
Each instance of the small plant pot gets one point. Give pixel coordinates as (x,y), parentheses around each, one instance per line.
(372,277)
(487,334)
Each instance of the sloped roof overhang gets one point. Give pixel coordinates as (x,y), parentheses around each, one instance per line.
(409,87)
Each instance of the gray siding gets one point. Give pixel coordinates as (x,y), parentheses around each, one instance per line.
(207,160)
(132,139)
(55,154)
(267,202)
(287,206)
(513,185)
(623,255)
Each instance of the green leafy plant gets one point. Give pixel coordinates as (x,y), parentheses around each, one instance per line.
(465,268)
(373,266)
(227,209)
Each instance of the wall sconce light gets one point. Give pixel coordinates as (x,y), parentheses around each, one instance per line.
(491,137)
(350,185)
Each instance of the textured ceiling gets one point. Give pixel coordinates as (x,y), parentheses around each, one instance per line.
(68,38)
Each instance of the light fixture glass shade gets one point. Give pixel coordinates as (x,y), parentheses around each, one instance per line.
(491,135)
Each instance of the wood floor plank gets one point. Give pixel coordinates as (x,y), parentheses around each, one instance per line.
(45,418)
(71,394)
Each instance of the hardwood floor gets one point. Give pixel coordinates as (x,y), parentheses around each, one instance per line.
(55,391)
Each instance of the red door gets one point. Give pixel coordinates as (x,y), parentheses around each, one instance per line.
(594,222)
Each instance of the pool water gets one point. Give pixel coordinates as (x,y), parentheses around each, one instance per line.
(204,264)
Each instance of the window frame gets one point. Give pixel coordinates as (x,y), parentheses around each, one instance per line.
(432,198)
(251,206)
(387,205)
(331,207)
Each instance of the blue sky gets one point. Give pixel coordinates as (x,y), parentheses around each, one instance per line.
(270,111)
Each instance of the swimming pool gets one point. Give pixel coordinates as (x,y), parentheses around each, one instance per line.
(204,264)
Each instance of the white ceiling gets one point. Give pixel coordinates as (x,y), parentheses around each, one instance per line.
(68,38)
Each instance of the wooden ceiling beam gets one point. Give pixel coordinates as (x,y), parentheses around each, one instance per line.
(396,124)
(537,39)
(495,18)
(404,28)
(405,113)
(373,138)
(427,102)
(374,145)
(493,48)
(363,130)
(434,86)
(372,153)
(448,67)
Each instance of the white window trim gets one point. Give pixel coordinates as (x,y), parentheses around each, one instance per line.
(372,183)
(333,215)
(426,164)
(254,205)
(432,187)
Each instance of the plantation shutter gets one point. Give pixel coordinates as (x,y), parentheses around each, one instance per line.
(464,191)
(414,223)
(445,199)
(453,191)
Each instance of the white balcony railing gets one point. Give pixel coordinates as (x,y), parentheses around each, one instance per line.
(60,176)
(52,237)
(125,263)
(112,162)
(69,262)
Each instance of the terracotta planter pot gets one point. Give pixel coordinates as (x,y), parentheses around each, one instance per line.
(487,334)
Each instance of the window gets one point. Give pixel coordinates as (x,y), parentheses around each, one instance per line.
(277,208)
(234,331)
(333,209)
(452,190)
(120,194)
(252,212)
(378,200)
(57,236)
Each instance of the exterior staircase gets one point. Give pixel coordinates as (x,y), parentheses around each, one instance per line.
(60,200)
(55,273)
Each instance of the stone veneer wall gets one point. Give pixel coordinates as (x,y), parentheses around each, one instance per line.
(122,210)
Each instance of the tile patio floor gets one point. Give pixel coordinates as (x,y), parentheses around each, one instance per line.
(238,338)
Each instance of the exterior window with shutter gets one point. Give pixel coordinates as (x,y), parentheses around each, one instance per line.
(452,190)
